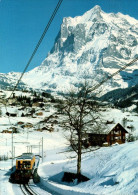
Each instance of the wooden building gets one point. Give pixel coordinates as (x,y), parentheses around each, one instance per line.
(11,114)
(39,113)
(7,131)
(36,104)
(117,134)
(28,125)
(20,123)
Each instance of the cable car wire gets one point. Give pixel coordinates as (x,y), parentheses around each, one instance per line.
(112,75)
(34,52)
(39,42)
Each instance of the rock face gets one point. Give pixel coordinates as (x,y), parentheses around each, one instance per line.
(91,47)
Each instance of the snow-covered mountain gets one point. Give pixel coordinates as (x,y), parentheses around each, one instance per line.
(91,46)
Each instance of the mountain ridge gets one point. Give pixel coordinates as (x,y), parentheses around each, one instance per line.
(92,46)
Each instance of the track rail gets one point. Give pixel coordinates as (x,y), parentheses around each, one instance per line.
(27,190)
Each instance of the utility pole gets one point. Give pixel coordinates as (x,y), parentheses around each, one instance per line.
(39,148)
(42,150)
(27,149)
(12,151)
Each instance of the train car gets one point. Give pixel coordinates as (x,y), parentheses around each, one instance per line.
(25,166)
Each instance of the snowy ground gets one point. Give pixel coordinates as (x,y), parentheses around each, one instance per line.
(111,170)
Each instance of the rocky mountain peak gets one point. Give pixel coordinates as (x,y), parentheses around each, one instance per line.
(91,47)
(93,13)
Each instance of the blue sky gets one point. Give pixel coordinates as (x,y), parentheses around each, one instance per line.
(23,21)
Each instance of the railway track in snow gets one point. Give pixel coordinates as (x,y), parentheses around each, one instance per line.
(25,188)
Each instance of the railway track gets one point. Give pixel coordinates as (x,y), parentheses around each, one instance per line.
(27,190)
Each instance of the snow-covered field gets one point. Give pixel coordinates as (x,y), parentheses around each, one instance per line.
(54,143)
(111,170)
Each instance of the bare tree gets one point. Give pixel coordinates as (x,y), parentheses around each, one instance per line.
(124,122)
(0,112)
(82,115)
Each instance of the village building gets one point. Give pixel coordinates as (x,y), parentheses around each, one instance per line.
(36,104)
(20,123)
(7,131)
(40,130)
(28,125)
(27,114)
(11,114)
(117,134)
(11,130)
(39,113)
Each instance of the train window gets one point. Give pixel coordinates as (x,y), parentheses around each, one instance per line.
(19,164)
(26,164)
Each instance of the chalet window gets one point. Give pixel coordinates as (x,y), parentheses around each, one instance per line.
(123,137)
(112,138)
(112,132)
(117,137)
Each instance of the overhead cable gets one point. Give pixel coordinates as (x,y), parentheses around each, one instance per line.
(112,75)
(39,42)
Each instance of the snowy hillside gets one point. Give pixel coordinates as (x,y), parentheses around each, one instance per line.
(111,170)
(91,47)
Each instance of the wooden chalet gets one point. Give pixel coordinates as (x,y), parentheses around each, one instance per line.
(6,131)
(20,123)
(39,113)
(11,114)
(115,135)
(36,104)
(12,129)
(28,125)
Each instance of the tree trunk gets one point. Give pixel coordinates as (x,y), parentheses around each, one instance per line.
(79,158)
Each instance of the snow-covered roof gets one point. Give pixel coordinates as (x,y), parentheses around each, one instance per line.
(108,129)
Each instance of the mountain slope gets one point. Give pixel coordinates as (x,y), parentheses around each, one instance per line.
(91,47)
(123,98)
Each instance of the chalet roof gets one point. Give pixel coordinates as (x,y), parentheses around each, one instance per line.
(118,124)
(109,128)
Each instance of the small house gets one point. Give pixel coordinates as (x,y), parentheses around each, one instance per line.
(20,123)
(40,130)
(39,113)
(7,131)
(117,134)
(28,125)
(11,114)
(36,104)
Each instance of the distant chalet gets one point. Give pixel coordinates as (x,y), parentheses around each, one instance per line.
(116,135)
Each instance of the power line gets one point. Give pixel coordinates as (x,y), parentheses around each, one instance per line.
(37,46)
(33,54)
(112,75)
(39,42)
